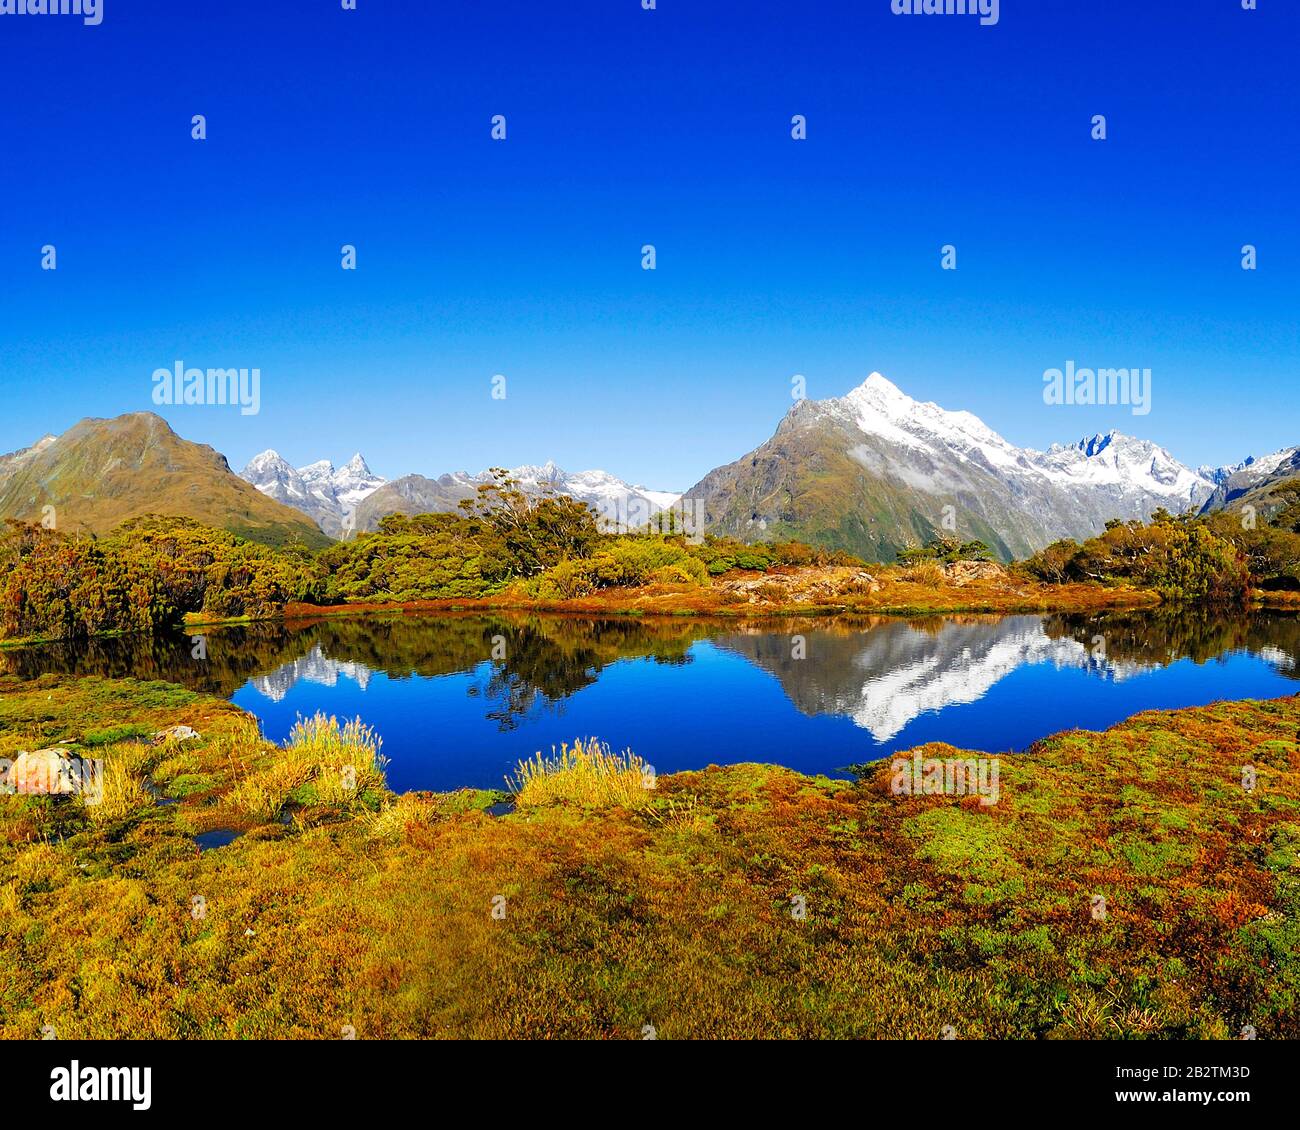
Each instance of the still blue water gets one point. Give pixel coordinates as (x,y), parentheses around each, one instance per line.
(459,700)
(856,695)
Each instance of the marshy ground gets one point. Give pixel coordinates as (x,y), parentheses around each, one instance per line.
(1126,884)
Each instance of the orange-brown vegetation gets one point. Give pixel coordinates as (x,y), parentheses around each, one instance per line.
(1134,883)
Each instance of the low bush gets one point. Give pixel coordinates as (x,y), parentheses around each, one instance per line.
(1181,558)
(620,562)
(927,573)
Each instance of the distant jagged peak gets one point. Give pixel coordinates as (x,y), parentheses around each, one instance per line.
(1096,444)
(270,459)
(549,471)
(1120,446)
(321,469)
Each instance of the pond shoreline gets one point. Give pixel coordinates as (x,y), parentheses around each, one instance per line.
(461,693)
(891,598)
(650,603)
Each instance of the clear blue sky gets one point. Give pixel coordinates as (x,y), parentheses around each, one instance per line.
(626,127)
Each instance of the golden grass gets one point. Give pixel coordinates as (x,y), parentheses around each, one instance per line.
(123,793)
(406,811)
(344,760)
(341,762)
(589,773)
(929,573)
(921,912)
(683,814)
(241,744)
(263,795)
(117,788)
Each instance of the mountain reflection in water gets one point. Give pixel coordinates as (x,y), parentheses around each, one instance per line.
(459,698)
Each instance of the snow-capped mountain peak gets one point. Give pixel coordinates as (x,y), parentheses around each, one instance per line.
(888,468)
(880,408)
(1094,445)
(354,481)
(1115,459)
(617,504)
(272,474)
(268,460)
(1231,483)
(530,473)
(329,496)
(1110,460)
(321,469)
(332,495)
(607,493)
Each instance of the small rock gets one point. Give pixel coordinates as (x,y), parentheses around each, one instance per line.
(963,572)
(42,772)
(175,734)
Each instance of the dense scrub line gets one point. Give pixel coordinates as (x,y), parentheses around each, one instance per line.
(1222,558)
(514,550)
(152,572)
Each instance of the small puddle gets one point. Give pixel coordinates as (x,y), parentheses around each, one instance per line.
(217,838)
(159,797)
(501,808)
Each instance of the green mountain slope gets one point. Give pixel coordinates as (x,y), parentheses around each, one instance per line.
(874,471)
(99,473)
(814,480)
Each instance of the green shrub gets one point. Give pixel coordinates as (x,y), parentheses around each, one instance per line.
(1181,558)
(426,557)
(624,561)
(946,549)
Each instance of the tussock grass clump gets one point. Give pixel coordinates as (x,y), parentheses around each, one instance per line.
(344,760)
(588,773)
(927,573)
(123,793)
(241,745)
(262,795)
(335,763)
(323,762)
(118,789)
(408,810)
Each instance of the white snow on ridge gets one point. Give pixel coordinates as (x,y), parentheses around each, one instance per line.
(1253,470)
(607,493)
(1120,460)
(354,481)
(879,408)
(331,496)
(663,499)
(318,490)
